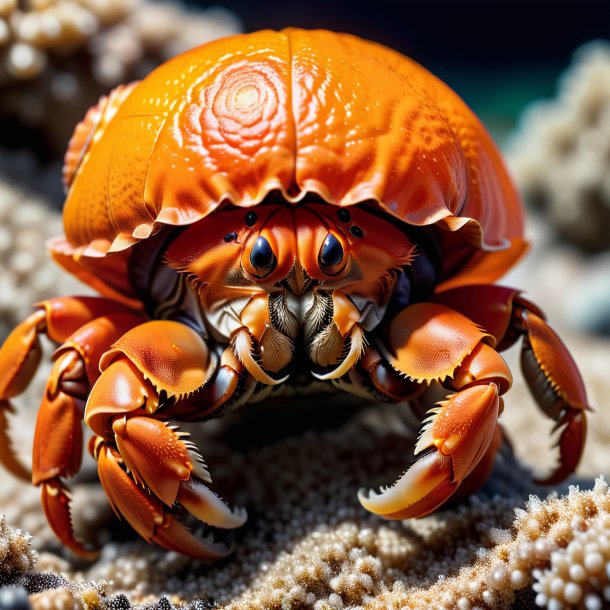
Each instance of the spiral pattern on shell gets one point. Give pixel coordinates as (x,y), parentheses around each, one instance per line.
(242,110)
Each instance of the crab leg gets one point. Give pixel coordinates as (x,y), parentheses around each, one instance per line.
(432,342)
(556,384)
(548,367)
(58,437)
(21,353)
(385,379)
(138,448)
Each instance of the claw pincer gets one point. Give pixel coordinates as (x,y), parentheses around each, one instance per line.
(556,384)
(145,464)
(548,367)
(433,343)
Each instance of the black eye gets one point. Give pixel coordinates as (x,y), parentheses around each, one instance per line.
(229,237)
(251,218)
(344,216)
(331,252)
(357,232)
(262,257)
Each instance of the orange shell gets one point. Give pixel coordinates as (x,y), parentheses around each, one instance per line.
(294,111)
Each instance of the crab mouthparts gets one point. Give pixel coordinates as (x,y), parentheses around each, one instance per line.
(297,281)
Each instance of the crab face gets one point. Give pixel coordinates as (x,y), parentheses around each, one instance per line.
(274,208)
(290,260)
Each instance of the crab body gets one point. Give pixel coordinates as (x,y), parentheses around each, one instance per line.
(272,213)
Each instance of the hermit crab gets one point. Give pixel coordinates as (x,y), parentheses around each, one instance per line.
(272,214)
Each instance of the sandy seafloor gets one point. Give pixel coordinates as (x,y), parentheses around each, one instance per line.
(308,543)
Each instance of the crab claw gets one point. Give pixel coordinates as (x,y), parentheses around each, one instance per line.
(142,458)
(556,384)
(56,505)
(146,514)
(460,430)
(178,476)
(571,443)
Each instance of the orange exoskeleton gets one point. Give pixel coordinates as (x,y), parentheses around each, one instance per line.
(280,212)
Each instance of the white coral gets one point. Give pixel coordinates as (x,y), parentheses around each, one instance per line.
(579,574)
(560,155)
(16,555)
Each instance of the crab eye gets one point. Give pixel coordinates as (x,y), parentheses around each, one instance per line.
(344,216)
(251,218)
(262,257)
(331,252)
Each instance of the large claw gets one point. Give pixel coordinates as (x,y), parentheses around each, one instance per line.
(424,487)
(178,476)
(160,459)
(548,367)
(146,514)
(431,342)
(460,430)
(146,465)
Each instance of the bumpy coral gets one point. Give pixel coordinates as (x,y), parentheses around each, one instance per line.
(561,154)
(16,556)
(579,575)
(323,553)
(28,30)
(570,533)
(19,577)
(58,56)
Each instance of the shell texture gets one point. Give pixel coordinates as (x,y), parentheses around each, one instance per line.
(299,112)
